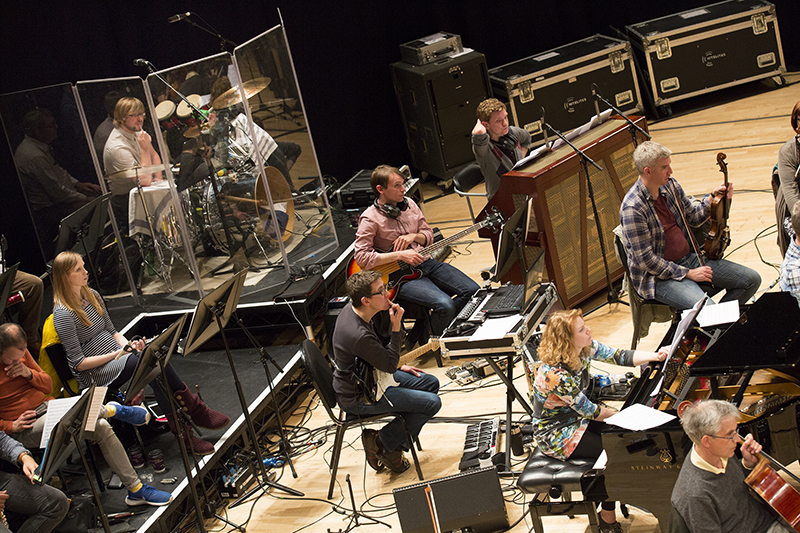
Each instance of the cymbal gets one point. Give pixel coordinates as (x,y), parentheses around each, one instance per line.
(136,171)
(231,96)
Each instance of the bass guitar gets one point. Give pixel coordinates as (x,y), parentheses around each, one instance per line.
(398,272)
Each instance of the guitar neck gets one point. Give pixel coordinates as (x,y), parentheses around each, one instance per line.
(433,344)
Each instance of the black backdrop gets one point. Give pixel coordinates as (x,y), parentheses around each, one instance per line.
(342,51)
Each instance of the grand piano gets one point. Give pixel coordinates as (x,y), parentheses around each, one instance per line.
(752,363)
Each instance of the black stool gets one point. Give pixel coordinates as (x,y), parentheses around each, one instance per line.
(547,478)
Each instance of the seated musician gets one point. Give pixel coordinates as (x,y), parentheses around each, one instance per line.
(787,174)
(24,386)
(128,146)
(663,265)
(393,229)
(710,493)
(566,422)
(790,268)
(415,395)
(496,145)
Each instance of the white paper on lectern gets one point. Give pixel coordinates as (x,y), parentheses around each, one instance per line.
(686,321)
(639,417)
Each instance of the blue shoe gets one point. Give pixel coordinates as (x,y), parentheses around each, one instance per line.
(135,415)
(147,495)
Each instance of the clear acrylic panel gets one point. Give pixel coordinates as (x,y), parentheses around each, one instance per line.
(53,160)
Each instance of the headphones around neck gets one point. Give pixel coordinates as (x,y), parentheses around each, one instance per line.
(391,210)
(507,142)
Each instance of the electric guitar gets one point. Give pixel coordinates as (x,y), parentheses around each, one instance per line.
(398,272)
(383,380)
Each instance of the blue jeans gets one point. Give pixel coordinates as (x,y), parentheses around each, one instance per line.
(435,291)
(416,398)
(740,283)
(44,506)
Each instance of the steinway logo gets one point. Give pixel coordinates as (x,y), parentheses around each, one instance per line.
(571,102)
(709,57)
(665,466)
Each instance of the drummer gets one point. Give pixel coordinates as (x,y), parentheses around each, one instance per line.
(127,147)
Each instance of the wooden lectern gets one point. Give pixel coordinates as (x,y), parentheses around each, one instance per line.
(563,222)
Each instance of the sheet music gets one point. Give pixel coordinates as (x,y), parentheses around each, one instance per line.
(639,417)
(495,328)
(93,412)
(712,315)
(683,327)
(56,409)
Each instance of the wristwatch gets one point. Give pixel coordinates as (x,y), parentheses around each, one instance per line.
(23,454)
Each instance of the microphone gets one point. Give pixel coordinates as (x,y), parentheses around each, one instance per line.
(596,106)
(544,128)
(179,16)
(142,63)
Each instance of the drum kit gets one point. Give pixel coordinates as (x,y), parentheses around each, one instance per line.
(242,195)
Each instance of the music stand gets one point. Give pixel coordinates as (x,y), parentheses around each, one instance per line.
(210,317)
(152,362)
(65,438)
(86,225)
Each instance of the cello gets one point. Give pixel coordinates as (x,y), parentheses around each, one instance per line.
(719,236)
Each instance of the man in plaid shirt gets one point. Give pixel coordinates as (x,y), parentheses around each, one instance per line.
(790,268)
(663,266)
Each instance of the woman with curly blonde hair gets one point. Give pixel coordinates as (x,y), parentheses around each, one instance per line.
(566,422)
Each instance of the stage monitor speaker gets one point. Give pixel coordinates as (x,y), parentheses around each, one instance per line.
(469,502)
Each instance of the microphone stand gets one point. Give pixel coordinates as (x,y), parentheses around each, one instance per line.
(632,127)
(611,296)
(222,40)
(212,175)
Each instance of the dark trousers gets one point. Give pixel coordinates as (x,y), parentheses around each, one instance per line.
(44,506)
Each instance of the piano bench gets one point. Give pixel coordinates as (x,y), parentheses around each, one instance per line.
(547,478)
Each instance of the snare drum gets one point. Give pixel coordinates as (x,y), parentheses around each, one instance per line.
(165,111)
(184,112)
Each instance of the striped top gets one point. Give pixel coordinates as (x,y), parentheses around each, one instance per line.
(81,341)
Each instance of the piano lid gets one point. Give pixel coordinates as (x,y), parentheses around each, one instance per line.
(765,336)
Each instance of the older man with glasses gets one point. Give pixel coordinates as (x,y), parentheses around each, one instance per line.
(710,493)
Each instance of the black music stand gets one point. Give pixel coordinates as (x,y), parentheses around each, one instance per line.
(210,317)
(86,225)
(153,362)
(65,438)
(611,296)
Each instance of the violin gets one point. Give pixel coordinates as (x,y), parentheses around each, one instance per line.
(719,236)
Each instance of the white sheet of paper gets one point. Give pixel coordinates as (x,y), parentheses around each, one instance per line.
(495,328)
(600,464)
(723,313)
(638,417)
(56,409)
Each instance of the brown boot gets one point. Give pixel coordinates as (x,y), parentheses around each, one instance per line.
(201,415)
(193,442)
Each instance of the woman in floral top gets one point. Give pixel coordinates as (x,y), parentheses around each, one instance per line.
(564,417)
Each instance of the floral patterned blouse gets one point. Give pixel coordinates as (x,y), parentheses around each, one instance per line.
(561,408)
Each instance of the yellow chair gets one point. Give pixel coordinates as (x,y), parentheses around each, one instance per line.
(53,360)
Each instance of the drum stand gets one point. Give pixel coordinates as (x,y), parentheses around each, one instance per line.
(164,272)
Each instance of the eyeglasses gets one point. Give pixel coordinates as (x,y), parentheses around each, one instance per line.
(731,438)
(138,115)
(381,291)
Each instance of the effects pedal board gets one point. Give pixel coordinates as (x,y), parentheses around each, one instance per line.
(237,481)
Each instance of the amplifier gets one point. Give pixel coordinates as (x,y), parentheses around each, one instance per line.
(357,192)
(468,502)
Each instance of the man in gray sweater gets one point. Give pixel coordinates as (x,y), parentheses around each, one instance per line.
(710,493)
